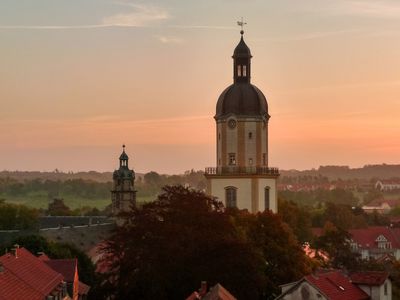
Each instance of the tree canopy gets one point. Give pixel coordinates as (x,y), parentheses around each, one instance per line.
(185,237)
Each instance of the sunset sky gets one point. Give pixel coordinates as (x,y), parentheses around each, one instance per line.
(78,78)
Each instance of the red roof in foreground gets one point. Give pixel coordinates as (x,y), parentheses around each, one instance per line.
(369,277)
(218,292)
(25,273)
(12,288)
(336,286)
(83,289)
(66,267)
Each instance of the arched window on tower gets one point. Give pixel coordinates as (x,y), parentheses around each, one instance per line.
(266,198)
(244,71)
(239,71)
(230,196)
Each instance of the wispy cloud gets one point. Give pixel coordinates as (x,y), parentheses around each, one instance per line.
(50,27)
(362,8)
(169,39)
(203,27)
(318,35)
(138,15)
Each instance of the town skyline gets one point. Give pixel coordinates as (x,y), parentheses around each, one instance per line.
(79,80)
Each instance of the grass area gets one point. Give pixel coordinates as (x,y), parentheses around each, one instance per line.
(40,200)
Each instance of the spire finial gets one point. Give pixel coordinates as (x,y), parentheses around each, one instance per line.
(123,147)
(241,23)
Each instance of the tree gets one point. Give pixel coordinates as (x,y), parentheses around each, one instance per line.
(58,208)
(284,257)
(18,217)
(335,241)
(185,237)
(175,242)
(297,217)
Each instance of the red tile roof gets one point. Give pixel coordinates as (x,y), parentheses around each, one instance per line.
(31,274)
(366,237)
(12,288)
(218,292)
(336,286)
(66,267)
(43,257)
(83,288)
(369,277)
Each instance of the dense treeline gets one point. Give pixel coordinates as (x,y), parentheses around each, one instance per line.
(367,172)
(16,217)
(147,185)
(319,197)
(75,187)
(185,237)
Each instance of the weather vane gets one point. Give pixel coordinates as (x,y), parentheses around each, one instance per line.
(241,24)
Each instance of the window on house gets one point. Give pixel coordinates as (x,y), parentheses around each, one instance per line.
(250,135)
(266,198)
(230,196)
(250,161)
(244,71)
(264,157)
(232,159)
(385,289)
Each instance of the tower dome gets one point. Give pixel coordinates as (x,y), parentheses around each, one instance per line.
(242,98)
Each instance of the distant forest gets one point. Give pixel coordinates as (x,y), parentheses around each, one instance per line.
(367,172)
(38,189)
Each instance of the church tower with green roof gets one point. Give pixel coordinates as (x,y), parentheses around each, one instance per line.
(123,193)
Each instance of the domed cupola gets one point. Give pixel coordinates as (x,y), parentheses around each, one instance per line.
(242,98)
(123,172)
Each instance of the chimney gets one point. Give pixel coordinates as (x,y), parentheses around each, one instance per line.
(15,250)
(203,289)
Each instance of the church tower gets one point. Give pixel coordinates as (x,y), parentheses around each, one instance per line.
(242,177)
(123,194)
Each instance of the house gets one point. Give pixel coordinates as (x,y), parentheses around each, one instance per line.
(376,284)
(217,292)
(336,285)
(387,185)
(24,276)
(69,269)
(374,242)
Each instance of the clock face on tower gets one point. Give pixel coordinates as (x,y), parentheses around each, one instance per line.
(232,123)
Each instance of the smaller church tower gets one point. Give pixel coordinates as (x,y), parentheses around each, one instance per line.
(123,194)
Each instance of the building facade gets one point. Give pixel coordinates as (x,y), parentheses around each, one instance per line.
(242,177)
(337,285)
(123,193)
